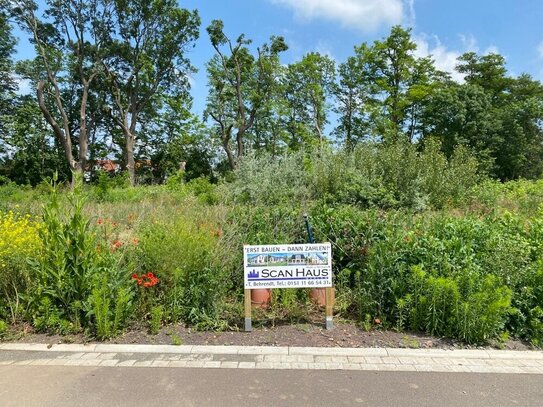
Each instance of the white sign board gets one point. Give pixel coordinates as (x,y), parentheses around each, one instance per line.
(288,266)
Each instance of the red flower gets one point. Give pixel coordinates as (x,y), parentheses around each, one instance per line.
(147,280)
(100,221)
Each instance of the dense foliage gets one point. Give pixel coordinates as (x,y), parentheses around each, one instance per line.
(106,103)
(429,245)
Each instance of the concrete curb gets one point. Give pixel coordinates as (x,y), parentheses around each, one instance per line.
(276,350)
(269,357)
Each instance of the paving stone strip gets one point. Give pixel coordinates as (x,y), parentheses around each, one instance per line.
(269,357)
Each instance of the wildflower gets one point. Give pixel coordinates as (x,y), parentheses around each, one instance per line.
(145,280)
(135,242)
(100,221)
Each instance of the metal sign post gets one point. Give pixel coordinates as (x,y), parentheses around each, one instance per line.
(248,311)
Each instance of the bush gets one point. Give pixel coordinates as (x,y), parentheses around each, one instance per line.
(181,252)
(79,282)
(68,258)
(445,306)
(463,277)
(268,180)
(372,175)
(109,305)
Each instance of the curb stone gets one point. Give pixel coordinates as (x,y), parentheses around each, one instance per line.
(268,357)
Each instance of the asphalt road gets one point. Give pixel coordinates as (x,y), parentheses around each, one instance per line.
(118,386)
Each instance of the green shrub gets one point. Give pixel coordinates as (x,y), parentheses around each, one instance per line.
(155,321)
(439,306)
(176,182)
(19,242)
(3,328)
(527,318)
(68,259)
(203,189)
(181,252)
(109,305)
(268,180)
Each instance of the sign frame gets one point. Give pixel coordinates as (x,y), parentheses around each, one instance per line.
(307,265)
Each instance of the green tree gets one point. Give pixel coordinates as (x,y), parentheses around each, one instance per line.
(239,85)
(487,71)
(180,141)
(7,83)
(497,116)
(34,152)
(145,62)
(351,93)
(65,68)
(461,114)
(308,83)
(398,83)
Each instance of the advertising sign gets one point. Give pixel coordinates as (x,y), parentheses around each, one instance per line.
(288,266)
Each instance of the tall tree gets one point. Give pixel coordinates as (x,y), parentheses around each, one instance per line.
(487,71)
(66,46)
(497,116)
(398,82)
(308,83)
(351,93)
(7,83)
(239,84)
(146,61)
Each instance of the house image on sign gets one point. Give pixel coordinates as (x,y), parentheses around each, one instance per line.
(297,258)
(256,260)
(317,258)
(277,258)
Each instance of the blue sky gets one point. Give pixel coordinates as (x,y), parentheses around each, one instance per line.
(444,28)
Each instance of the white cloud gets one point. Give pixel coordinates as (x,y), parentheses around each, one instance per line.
(365,15)
(445,59)
(469,42)
(411,16)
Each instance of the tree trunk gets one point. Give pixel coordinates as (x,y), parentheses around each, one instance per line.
(130,161)
(228,151)
(62,133)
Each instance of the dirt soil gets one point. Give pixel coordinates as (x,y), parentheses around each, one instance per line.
(344,334)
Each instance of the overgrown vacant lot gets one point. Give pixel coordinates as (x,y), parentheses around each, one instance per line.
(420,243)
